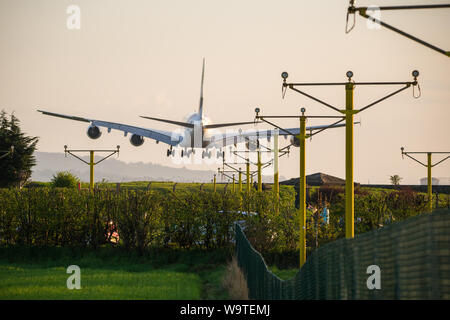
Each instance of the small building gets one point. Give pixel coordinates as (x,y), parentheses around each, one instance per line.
(317,179)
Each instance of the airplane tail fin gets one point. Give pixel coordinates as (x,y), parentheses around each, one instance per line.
(200,108)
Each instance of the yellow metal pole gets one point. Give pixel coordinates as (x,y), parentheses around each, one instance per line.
(276,185)
(91,167)
(349,186)
(302,191)
(240,180)
(259,172)
(234,187)
(248,176)
(214,183)
(430,194)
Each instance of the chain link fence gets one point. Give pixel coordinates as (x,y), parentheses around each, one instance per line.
(413,257)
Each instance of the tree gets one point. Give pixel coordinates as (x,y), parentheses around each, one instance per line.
(15,170)
(64,179)
(395,179)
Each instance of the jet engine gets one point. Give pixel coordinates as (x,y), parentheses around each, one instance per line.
(136,140)
(295,141)
(94,132)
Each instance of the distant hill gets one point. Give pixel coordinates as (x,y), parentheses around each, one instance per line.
(113,170)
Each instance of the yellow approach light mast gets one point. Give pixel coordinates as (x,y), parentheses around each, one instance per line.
(231,167)
(302,136)
(91,162)
(428,165)
(276,182)
(349,113)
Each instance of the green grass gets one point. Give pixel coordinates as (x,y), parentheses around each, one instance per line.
(41,274)
(284,274)
(212,284)
(24,282)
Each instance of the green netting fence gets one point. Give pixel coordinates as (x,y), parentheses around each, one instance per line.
(413,257)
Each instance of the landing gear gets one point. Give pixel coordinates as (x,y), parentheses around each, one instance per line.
(206,154)
(170,152)
(186,152)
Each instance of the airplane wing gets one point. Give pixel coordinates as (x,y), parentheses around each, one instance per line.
(222,140)
(170,138)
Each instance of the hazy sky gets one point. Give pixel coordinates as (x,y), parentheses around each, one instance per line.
(144,57)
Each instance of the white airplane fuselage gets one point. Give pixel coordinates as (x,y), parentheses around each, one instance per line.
(197,137)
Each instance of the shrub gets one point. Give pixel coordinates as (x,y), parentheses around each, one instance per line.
(64,179)
(234,281)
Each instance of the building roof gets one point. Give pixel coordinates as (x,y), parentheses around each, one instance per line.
(317,179)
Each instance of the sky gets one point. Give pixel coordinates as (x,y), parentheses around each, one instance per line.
(144,57)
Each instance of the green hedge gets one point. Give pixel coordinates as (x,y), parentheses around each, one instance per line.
(47,217)
(63,217)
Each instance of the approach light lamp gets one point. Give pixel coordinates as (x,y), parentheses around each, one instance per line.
(415,74)
(284,75)
(349,75)
(402,151)
(257,110)
(303,110)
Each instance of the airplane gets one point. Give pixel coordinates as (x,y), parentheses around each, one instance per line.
(197,131)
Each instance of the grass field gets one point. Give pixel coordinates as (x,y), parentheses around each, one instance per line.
(160,186)
(35,282)
(41,274)
(284,274)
